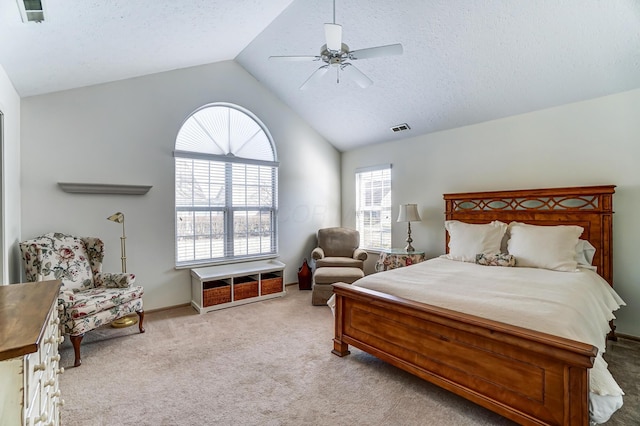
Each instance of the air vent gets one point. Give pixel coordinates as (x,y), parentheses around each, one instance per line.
(400,127)
(31,10)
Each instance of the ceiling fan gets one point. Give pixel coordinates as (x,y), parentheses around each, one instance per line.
(336,54)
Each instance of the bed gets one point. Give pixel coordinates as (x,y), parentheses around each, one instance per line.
(526,375)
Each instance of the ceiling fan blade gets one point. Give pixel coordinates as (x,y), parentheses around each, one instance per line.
(294,58)
(356,75)
(375,52)
(333,35)
(317,75)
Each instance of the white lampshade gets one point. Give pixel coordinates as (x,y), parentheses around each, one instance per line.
(408,213)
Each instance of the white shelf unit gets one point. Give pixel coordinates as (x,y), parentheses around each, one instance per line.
(223,286)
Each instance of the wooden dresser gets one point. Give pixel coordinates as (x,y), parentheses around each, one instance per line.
(29,359)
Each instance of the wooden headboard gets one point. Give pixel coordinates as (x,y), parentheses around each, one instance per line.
(590,207)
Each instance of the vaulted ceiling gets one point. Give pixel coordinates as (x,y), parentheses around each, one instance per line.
(464,62)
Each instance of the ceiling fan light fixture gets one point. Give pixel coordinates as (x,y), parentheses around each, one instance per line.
(335,54)
(333,35)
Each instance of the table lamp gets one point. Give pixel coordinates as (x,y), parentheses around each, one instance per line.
(408,213)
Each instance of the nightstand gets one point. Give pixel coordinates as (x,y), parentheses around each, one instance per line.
(397,258)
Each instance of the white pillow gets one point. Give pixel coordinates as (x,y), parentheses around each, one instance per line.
(466,240)
(547,247)
(584,254)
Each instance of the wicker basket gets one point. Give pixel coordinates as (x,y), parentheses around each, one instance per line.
(244,287)
(271,283)
(215,293)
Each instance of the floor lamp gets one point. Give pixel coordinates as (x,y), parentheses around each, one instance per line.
(130,319)
(119,218)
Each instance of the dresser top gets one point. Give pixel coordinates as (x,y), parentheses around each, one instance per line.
(23,312)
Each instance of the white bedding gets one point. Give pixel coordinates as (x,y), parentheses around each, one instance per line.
(575,305)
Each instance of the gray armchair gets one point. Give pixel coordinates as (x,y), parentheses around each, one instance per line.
(338,259)
(339,247)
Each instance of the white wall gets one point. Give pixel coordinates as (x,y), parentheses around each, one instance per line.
(124,132)
(10,191)
(587,143)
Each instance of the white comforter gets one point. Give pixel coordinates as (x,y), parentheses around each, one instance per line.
(575,305)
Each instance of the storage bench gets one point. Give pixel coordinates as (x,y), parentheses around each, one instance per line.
(217,287)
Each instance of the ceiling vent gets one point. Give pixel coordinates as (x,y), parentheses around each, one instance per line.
(31,10)
(400,127)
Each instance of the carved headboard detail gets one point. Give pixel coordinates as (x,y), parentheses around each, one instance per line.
(590,207)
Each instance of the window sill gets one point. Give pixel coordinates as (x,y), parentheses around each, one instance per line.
(229,261)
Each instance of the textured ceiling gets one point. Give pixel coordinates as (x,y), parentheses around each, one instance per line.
(464,62)
(85,42)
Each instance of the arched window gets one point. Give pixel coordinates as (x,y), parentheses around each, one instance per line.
(226,174)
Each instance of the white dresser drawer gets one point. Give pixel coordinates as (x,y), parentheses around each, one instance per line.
(30,394)
(34,370)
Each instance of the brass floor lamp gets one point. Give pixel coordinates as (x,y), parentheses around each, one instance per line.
(130,319)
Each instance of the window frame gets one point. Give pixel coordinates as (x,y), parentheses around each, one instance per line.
(383,208)
(229,209)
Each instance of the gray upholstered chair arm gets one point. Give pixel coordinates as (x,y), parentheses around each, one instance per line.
(317,253)
(360,254)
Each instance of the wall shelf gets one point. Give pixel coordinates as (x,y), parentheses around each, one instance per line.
(103,188)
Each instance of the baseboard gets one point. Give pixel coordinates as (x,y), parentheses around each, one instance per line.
(628,337)
(166,308)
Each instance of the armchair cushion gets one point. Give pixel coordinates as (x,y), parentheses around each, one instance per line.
(338,242)
(87,322)
(89,302)
(344,262)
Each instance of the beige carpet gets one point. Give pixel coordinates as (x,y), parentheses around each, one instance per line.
(266,363)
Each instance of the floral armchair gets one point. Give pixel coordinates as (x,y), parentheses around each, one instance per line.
(89,297)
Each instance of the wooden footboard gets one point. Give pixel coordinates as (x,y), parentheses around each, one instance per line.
(530,377)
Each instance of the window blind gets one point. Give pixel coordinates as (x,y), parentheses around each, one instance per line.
(226,203)
(373,207)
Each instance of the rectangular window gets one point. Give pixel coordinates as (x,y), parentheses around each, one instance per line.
(224,210)
(373,207)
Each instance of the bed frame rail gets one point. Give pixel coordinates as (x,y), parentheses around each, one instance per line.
(530,377)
